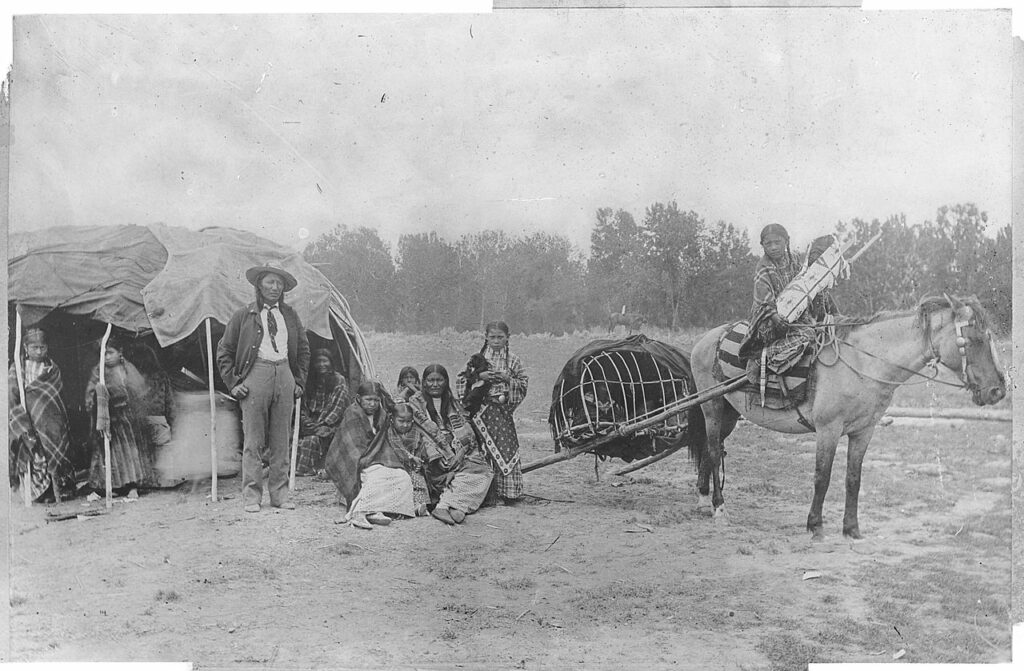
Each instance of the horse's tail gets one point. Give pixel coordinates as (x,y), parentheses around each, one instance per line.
(697,438)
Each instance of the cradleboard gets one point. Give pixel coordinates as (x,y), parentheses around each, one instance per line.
(821,274)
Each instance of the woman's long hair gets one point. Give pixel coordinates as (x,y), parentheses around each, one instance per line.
(405,371)
(446,395)
(328,382)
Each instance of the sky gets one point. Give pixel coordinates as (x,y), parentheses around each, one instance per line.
(523,121)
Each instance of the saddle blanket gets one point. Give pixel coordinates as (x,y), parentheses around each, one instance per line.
(728,365)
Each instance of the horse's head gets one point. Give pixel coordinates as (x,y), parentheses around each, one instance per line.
(968,349)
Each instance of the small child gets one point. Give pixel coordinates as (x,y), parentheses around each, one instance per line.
(408,384)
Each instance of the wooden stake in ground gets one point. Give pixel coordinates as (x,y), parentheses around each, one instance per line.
(295,444)
(26,477)
(106,434)
(213,411)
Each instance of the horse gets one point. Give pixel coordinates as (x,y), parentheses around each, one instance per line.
(630,320)
(854,378)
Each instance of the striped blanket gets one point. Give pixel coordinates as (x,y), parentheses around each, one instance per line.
(728,364)
(38,433)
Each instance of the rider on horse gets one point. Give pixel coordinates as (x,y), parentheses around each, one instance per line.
(785,340)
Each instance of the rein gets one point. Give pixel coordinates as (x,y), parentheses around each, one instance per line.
(931,362)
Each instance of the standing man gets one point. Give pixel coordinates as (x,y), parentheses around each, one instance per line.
(263,358)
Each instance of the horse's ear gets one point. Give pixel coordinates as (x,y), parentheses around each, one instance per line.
(962,310)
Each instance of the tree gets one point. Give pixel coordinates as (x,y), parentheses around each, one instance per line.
(428,281)
(616,273)
(889,275)
(487,259)
(359,263)
(724,277)
(672,244)
(547,284)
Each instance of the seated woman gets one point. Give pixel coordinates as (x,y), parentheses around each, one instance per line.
(365,465)
(323,405)
(39,442)
(458,474)
(118,406)
(408,384)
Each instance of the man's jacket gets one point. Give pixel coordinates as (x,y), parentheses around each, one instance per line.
(240,346)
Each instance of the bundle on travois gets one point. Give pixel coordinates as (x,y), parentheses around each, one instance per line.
(628,399)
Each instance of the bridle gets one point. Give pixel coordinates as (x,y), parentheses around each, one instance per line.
(933,357)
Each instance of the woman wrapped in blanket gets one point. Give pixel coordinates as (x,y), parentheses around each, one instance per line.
(323,406)
(369,461)
(119,406)
(505,382)
(39,441)
(782,340)
(458,474)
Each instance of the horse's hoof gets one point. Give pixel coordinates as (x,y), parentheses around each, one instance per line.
(853,534)
(703,501)
(817,535)
(720,516)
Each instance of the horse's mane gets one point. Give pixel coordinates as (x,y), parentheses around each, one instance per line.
(929,304)
(925,307)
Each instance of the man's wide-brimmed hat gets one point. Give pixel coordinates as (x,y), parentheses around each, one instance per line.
(254,273)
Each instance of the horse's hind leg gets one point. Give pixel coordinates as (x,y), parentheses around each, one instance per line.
(709,464)
(828,440)
(855,451)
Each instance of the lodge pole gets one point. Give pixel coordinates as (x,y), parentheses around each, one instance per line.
(106,434)
(213,411)
(26,477)
(295,444)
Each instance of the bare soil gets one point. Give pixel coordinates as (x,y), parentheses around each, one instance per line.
(591,570)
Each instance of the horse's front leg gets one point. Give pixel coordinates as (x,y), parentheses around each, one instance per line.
(855,451)
(827,441)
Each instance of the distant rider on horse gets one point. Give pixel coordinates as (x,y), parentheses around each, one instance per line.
(785,341)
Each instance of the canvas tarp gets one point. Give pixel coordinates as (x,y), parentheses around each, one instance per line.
(92,271)
(157,277)
(205,277)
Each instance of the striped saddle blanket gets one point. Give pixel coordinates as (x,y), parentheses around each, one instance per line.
(780,391)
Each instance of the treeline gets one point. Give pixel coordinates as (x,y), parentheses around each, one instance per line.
(672,267)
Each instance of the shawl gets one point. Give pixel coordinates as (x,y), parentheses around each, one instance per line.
(322,409)
(124,390)
(41,424)
(443,443)
(355,446)
(769,281)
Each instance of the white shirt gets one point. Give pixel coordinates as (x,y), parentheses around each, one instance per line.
(266,350)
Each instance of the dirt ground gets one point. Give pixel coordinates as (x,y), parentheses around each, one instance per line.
(591,570)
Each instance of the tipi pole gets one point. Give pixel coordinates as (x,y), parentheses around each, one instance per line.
(295,444)
(106,434)
(26,477)
(213,411)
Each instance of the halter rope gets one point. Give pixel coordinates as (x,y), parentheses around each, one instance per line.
(931,362)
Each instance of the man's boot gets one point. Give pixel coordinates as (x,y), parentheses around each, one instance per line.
(754,370)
